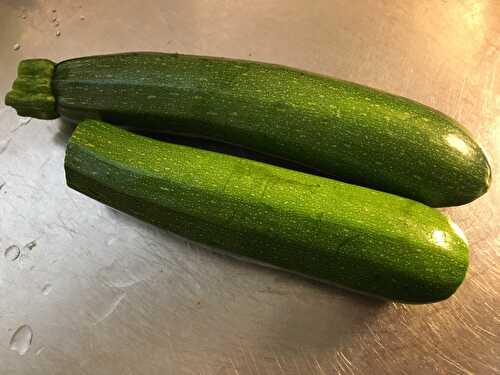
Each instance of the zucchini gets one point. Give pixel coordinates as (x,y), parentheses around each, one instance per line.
(373,242)
(338,129)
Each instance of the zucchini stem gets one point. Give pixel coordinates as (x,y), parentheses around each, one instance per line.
(31,93)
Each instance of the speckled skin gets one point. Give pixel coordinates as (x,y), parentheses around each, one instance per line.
(343,130)
(362,239)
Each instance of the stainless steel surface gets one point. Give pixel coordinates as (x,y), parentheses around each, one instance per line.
(102,293)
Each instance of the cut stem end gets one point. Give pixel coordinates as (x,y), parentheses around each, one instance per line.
(31,93)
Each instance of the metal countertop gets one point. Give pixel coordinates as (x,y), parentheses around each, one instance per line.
(103,293)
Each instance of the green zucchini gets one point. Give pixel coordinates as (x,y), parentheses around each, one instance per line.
(340,129)
(373,242)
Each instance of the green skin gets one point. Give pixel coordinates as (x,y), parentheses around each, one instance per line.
(343,130)
(361,239)
(31,93)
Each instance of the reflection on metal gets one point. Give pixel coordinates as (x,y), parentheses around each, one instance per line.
(473,13)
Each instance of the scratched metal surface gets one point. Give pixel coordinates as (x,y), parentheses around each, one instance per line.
(103,293)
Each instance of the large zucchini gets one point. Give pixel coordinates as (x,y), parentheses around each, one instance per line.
(344,130)
(362,239)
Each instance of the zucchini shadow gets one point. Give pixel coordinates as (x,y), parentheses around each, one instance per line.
(66,128)
(228,301)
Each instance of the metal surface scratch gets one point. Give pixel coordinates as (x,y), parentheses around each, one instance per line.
(4,144)
(455,364)
(110,309)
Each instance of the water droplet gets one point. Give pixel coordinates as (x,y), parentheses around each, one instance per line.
(82,18)
(47,288)
(40,350)
(54,19)
(124,273)
(16,47)
(111,241)
(58,33)
(12,253)
(21,340)
(30,245)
